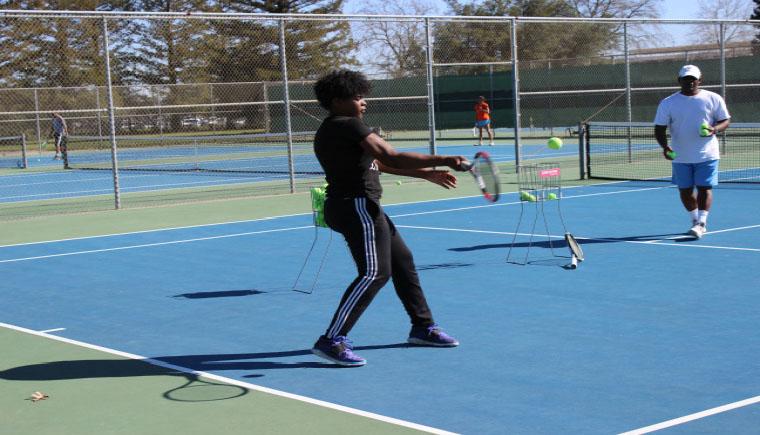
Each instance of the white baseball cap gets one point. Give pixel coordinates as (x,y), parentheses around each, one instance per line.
(690,70)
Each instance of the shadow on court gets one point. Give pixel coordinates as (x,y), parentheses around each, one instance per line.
(118,368)
(220,294)
(560,243)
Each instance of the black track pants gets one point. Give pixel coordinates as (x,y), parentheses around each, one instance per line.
(380,254)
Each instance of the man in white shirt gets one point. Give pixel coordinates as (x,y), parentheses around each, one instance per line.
(693,116)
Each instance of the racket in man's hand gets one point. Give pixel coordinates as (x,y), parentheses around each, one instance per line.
(575,251)
(486,175)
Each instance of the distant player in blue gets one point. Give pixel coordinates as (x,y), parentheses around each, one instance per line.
(697,156)
(353,156)
(60,135)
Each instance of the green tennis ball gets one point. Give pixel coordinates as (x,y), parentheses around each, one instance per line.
(554,143)
(671,154)
(524,195)
(531,198)
(398,182)
(551,196)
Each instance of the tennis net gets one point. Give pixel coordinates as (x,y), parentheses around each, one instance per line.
(263,153)
(13,152)
(629,151)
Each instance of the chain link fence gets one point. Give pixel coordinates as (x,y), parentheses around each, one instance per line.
(212,106)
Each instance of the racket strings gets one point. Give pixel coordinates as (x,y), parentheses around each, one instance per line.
(487,176)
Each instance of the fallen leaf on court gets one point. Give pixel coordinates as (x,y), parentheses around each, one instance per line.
(37,396)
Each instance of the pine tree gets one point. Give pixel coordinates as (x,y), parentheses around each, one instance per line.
(251,51)
(51,51)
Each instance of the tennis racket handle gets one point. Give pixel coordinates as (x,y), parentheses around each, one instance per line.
(466,165)
(573,261)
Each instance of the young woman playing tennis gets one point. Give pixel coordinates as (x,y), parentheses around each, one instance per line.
(352,157)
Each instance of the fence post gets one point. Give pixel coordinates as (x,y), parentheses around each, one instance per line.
(37,119)
(430,86)
(516,92)
(629,111)
(267,119)
(97,104)
(286,98)
(723,60)
(723,79)
(111,117)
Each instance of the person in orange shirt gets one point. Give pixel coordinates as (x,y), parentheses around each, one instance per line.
(483,120)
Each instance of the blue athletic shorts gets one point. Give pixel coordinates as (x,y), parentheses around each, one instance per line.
(686,175)
(483,123)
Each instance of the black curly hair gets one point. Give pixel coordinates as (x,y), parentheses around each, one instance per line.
(340,84)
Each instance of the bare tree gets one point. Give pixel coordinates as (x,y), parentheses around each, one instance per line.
(395,48)
(616,8)
(725,9)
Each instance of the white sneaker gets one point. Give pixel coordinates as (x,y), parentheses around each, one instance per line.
(490,144)
(698,230)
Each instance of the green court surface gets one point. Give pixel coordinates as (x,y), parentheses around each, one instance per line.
(95,392)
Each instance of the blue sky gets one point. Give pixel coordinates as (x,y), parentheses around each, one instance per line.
(678,9)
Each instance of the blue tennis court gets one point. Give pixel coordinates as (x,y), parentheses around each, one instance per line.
(653,328)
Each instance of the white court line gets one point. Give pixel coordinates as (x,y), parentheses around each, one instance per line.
(647,242)
(247,233)
(258,232)
(284,216)
(48,331)
(145,188)
(214,224)
(695,416)
(106,177)
(173,242)
(518,202)
(231,381)
(706,234)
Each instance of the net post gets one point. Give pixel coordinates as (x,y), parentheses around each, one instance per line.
(582,161)
(24,161)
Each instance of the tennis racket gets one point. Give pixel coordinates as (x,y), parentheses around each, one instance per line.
(575,250)
(486,175)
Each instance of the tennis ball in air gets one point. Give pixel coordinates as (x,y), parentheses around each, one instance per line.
(398,182)
(554,143)
(551,196)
